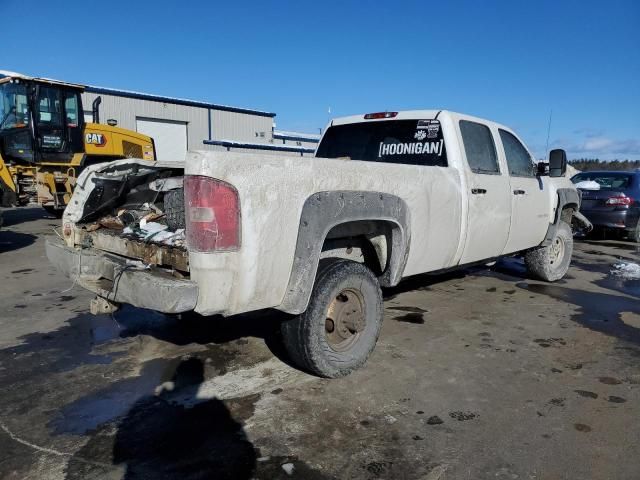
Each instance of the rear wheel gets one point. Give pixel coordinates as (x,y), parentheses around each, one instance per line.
(550,263)
(340,327)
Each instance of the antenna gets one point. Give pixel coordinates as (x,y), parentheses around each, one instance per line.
(546,149)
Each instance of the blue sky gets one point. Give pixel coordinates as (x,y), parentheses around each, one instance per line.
(509,61)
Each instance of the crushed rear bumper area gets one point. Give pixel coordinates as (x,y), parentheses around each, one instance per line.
(121,281)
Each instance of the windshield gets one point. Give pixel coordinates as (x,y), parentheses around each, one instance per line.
(413,142)
(606,180)
(14,110)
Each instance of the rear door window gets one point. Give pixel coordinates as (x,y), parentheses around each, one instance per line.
(479,148)
(412,142)
(519,161)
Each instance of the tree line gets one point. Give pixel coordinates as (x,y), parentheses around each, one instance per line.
(583,164)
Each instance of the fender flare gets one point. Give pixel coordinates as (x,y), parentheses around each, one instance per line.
(324,210)
(566,196)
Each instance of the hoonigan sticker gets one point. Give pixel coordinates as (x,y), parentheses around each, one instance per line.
(412,148)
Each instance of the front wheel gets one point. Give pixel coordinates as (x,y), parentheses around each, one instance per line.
(550,263)
(340,327)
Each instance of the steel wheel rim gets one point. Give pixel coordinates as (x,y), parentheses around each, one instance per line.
(557,251)
(345,319)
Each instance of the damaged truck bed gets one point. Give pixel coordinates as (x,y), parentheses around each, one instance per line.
(128,224)
(149,253)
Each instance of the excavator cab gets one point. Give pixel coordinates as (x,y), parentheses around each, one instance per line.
(45,142)
(39,122)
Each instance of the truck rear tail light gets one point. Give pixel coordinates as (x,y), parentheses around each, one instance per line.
(372,116)
(619,200)
(212,214)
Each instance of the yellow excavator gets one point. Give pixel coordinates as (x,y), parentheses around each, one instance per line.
(45,142)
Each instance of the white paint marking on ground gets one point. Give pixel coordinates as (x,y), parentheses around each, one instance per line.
(51,451)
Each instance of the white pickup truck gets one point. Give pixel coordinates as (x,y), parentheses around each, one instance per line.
(388,195)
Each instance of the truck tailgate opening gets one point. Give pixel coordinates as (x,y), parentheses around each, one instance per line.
(132,210)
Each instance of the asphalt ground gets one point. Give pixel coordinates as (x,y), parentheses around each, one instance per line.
(477,374)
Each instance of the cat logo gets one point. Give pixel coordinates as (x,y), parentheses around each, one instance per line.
(97,139)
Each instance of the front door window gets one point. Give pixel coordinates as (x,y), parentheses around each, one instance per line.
(518,159)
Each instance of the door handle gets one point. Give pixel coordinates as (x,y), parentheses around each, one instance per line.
(478,191)
(519,192)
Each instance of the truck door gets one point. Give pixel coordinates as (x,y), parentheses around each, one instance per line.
(488,195)
(530,199)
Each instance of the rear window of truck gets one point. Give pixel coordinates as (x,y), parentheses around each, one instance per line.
(412,142)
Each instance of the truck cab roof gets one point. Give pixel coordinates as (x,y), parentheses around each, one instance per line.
(413,115)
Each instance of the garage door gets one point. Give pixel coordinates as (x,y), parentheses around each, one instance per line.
(169,137)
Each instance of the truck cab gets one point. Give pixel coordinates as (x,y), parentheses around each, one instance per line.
(505,203)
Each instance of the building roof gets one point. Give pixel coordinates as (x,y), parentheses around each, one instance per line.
(174,100)
(143,96)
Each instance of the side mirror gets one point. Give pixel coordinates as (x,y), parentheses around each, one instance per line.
(557,163)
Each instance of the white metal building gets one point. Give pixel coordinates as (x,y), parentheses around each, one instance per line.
(178,125)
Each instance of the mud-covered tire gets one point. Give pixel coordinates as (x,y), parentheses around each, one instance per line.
(309,338)
(551,263)
(174,208)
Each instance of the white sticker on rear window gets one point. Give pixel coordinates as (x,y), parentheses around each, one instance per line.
(431,126)
(414,148)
